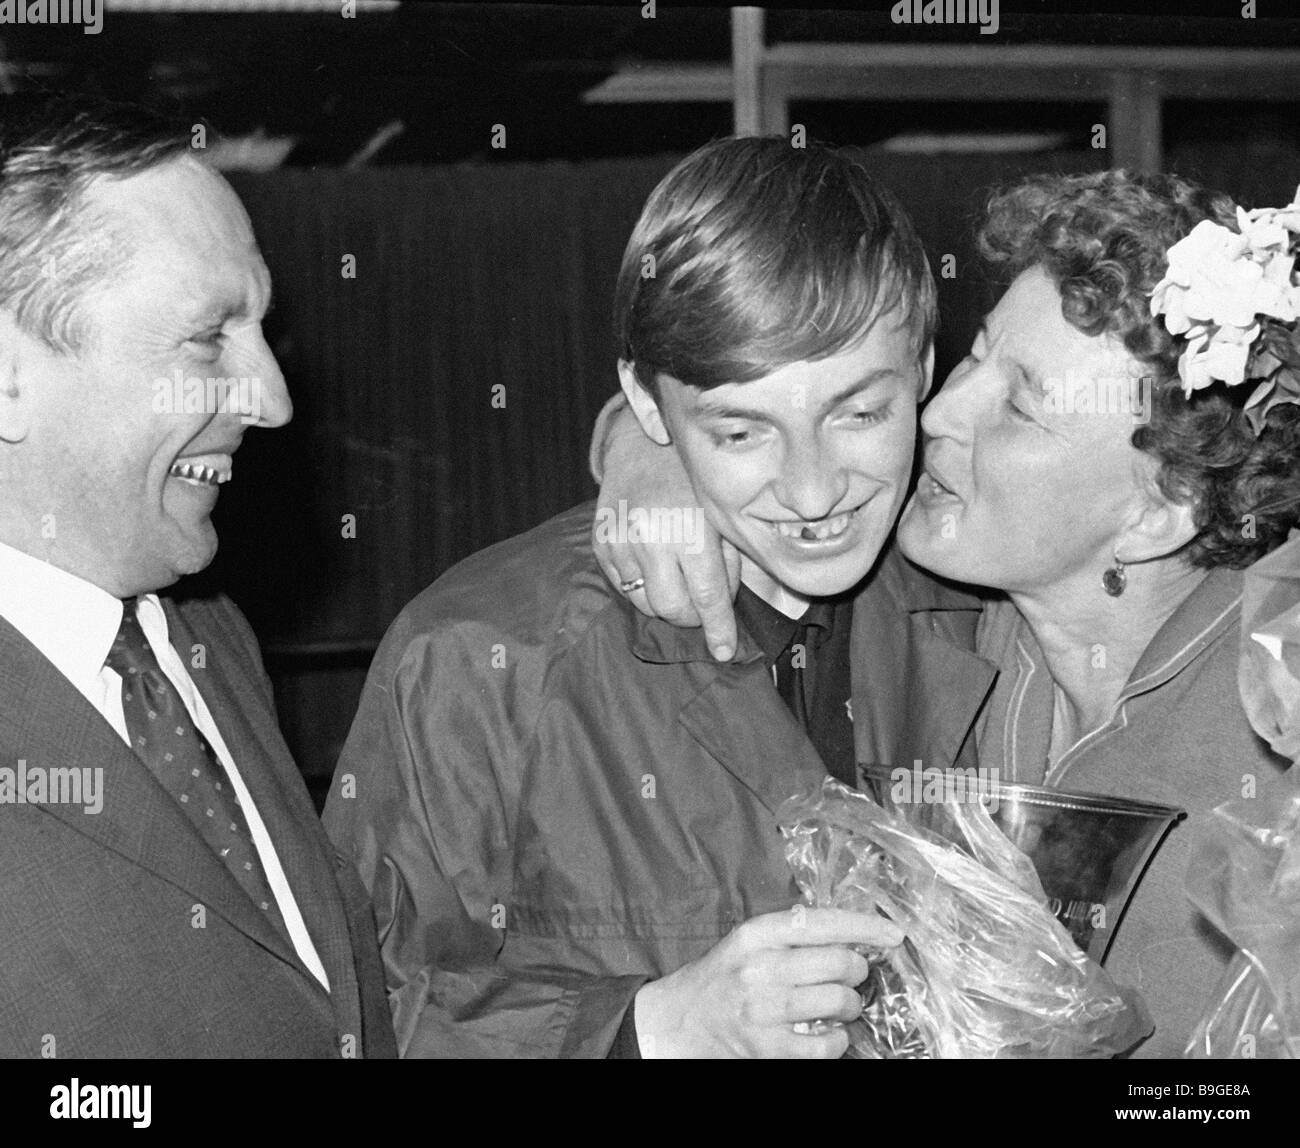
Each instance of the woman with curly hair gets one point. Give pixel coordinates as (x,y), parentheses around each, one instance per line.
(1089,463)
(1070,464)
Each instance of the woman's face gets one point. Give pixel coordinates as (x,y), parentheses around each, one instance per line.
(1030,475)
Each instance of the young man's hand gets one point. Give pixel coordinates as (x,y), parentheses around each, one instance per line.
(687,583)
(746,995)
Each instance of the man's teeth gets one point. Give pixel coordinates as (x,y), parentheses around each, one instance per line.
(816,531)
(197,473)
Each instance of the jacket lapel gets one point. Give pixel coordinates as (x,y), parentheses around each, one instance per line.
(253,737)
(739,718)
(47,722)
(734,712)
(918,685)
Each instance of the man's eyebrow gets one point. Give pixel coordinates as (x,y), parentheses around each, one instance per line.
(710,409)
(214,314)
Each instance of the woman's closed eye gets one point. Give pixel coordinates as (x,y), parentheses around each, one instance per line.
(1016,411)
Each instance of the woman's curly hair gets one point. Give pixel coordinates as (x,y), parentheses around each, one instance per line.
(1103,239)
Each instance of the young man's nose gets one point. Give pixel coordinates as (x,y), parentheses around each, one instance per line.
(810,488)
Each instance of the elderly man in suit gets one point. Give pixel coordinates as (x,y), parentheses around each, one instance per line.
(165,887)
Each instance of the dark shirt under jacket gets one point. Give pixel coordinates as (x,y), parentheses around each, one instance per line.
(816,686)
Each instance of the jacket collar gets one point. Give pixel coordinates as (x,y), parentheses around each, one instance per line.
(662,643)
(1189,631)
(1211,608)
(895,583)
(917,684)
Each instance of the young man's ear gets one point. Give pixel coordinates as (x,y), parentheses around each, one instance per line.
(15,415)
(643,404)
(927,374)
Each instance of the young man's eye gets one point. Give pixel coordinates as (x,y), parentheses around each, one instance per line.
(730,438)
(872,416)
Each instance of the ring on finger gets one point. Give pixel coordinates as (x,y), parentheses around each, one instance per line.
(632,585)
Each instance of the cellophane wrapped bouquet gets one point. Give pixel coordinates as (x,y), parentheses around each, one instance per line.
(1245,869)
(986,971)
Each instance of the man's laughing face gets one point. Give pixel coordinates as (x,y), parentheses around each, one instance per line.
(118,483)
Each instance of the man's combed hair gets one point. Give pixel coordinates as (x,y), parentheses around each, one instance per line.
(52,249)
(1104,238)
(752,254)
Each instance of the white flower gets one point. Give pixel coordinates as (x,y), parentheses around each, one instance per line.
(1287,217)
(1219,356)
(1278,295)
(1220,282)
(1208,280)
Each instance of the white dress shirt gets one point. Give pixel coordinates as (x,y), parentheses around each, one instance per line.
(73,623)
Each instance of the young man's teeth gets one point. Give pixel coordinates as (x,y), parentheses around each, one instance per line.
(816,531)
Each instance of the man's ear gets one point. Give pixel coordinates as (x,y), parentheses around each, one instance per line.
(643,404)
(1160,526)
(15,402)
(927,374)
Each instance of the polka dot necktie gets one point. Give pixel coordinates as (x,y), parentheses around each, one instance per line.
(166,739)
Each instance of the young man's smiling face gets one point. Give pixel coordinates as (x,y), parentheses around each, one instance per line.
(803,470)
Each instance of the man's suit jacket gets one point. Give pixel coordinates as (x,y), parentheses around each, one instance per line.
(121,933)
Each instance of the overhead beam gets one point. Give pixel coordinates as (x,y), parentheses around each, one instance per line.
(664,84)
(893,72)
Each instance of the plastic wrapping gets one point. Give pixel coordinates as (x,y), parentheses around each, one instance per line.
(1244,873)
(986,972)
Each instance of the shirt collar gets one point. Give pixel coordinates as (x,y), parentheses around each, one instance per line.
(774,631)
(72,622)
(762,631)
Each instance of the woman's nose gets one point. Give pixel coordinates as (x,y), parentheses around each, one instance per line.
(952,410)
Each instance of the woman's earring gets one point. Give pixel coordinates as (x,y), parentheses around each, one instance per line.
(1114,579)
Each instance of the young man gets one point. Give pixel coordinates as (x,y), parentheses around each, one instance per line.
(564,809)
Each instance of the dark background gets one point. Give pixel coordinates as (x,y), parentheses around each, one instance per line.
(478,267)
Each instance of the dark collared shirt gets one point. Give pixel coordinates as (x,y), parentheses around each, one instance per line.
(809,661)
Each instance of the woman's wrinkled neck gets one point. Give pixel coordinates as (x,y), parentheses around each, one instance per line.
(1092,641)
